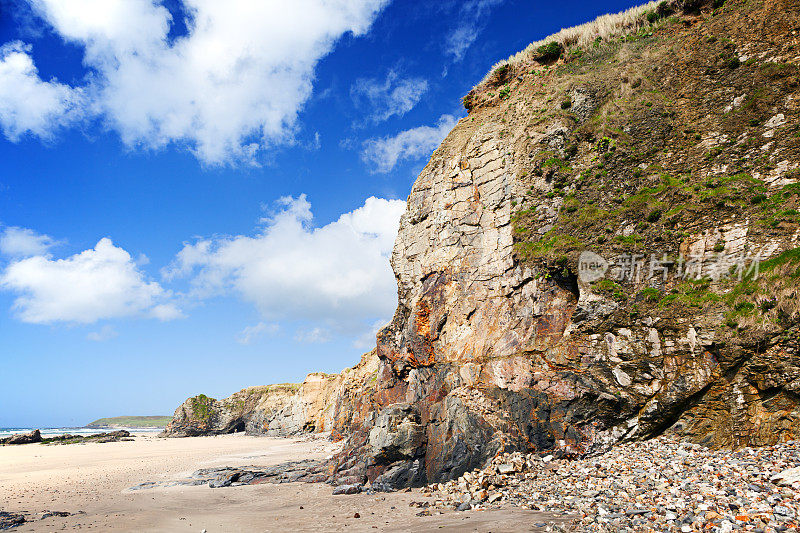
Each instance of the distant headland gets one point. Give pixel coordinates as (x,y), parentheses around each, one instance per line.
(131,422)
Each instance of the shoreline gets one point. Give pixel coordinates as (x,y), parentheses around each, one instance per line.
(83,430)
(92,483)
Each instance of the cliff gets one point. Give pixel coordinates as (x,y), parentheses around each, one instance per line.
(577,264)
(604,249)
(322,403)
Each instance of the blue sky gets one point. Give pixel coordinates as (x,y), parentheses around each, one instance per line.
(198,196)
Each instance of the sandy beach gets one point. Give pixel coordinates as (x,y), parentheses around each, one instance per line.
(91,481)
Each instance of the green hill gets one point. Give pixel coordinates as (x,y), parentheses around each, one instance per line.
(131,421)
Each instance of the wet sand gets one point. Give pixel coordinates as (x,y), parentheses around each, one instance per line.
(94,478)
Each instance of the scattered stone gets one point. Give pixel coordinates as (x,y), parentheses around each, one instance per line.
(661,485)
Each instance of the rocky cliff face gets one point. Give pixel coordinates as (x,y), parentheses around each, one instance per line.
(577,263)
(671,152)
(322,403)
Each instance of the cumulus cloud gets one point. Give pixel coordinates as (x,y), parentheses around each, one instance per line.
(28,104)
(392,96)
(100,283)
(383,154)
(24,242)
(471,17)
(230,87)
(249,334)
(105,333)
(335,277)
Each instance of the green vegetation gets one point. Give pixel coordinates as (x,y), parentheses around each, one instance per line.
(638,175)
(650,294)
(548,52)
(202,407)
(766,296)
(611,288)
(691,293)
(549,246)
(132,421)
(501,75)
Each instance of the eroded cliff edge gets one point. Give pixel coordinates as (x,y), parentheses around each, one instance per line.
(668,132)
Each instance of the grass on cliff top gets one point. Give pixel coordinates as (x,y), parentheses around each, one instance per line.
(603,28)
(267,389)
(132,421)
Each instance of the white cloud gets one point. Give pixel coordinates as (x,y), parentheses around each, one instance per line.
(251,333)
(24,242)
(337,275)
(29,105)
(229,88)
(317,335)
(96,284)
(105,333)
(471,21)
(384,153)
(393,96)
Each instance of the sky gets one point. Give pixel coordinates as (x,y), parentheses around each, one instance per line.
(198,196)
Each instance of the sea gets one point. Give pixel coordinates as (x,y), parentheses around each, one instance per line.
(54,432)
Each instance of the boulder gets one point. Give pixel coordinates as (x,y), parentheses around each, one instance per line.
(25,438)
(399,475)
(347,489)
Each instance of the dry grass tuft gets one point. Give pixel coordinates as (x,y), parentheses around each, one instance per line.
(602,28)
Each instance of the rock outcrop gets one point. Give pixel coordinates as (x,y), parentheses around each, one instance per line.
(670,156)
(120,435)
(23,438)
(322,403)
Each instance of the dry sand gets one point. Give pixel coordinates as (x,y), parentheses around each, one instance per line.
(93,478)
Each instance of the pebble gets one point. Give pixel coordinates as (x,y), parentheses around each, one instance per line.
(661,485)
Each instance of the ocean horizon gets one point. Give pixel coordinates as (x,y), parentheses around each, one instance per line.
(54,432)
